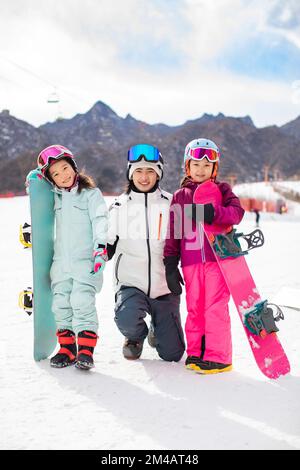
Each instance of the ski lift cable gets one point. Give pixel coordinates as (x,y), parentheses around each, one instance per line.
(38,77)
(8,80)
(33,74)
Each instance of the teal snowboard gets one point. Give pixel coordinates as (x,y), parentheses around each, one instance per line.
(42,236)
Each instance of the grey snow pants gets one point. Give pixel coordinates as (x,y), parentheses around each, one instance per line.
(132,306)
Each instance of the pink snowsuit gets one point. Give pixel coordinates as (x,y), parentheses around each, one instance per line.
(207,327)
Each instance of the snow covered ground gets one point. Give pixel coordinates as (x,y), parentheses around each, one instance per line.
(147,404)
(271,191)
(257,191)
(289,185)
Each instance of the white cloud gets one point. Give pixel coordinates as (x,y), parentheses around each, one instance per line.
(81,49)
(178,101)
(282,18)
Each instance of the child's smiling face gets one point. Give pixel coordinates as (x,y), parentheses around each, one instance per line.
(200,170)
(62,173)
(144,179)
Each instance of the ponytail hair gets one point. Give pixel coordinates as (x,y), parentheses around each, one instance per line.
(184,180)
(85,181)
(128,187)
(187,176)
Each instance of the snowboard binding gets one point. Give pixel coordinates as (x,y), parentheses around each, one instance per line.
(26,300)
(261,321)
(228,245)
(25,235)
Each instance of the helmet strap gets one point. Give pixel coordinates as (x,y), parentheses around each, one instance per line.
(187,168)
(214,171)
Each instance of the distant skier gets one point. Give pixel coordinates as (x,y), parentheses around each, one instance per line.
(137,229)
(257,216)
(79,256)
(207,328)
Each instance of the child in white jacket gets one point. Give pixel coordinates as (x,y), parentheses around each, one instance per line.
(138,222)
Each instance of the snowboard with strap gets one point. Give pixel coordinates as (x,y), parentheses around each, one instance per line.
(42,238)
(256,314)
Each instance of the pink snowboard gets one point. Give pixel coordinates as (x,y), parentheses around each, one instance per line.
(268,352)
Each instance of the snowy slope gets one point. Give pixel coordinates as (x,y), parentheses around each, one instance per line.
(147,404)
(266,191)
(257,191)
(290,185)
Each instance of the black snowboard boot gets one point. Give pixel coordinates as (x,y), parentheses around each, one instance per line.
(66,356)
(132,349)
(86,340)
(206,367)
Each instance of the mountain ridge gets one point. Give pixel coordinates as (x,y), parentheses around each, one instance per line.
(101,139)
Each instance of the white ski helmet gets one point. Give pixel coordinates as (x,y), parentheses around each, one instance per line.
(201,148)
(144,156)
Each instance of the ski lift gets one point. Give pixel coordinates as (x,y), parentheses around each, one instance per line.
(54,101)
(53,98)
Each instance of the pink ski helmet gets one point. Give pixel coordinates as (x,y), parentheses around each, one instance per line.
(54,153)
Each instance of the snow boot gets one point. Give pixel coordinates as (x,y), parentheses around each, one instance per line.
(86,340)
(206,367)
(66,356)
(132,349)
(151,336)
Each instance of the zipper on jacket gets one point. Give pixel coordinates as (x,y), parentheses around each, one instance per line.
(159,226)
(202,241)
(148,245)
(117,267)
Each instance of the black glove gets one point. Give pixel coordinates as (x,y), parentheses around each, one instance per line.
(173,276)
(111,249)
(193,212)
(209,213)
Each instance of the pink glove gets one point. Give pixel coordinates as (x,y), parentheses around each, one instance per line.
(100,258)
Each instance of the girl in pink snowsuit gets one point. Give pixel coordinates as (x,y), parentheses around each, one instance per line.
(207,328)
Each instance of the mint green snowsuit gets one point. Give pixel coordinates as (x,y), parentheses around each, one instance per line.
(81,224)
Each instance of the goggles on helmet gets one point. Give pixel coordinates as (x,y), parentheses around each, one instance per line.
(201,153)
(53,152)
(148,152)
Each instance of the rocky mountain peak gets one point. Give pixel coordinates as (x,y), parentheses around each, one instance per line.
(100,138)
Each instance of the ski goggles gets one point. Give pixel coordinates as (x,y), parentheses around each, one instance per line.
(201,153)
(148,152)
(55,152)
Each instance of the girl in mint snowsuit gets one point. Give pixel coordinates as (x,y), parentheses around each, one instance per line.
(79,256)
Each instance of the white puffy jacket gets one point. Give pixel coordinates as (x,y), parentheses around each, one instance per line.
(139,223)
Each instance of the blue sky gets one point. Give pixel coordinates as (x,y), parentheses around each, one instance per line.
(159,60)
(261,56)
